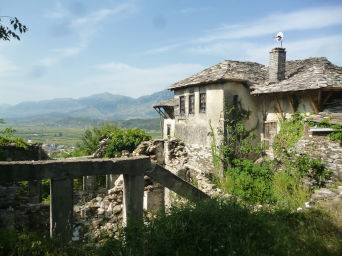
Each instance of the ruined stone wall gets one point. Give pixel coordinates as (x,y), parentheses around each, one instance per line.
(321,147)
(16,209)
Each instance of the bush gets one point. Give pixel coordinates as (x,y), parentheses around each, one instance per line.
(288,191)
(119,139)
(249,181)
(290,132)
(127,139)
(91,138)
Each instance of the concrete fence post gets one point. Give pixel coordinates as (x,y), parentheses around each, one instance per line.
(35,193)
(133,198)
(61,208)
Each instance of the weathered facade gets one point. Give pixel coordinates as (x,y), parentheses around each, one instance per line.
(270,94)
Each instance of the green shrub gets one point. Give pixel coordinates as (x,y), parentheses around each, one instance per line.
(288,191)
(119,139)
(249,181)
(7,138)
(127,139)
(91,138)
(290,132)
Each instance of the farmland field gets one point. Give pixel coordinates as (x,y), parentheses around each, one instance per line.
(62,135)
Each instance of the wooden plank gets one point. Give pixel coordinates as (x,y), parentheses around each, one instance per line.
(50,169)
(292,107)
(319,98)
(332,89)
(279,108)
(175,183)
(313,103)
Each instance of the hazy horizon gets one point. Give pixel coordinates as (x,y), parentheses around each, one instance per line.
(74,49)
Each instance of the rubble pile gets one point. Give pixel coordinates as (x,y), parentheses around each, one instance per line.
(100,216)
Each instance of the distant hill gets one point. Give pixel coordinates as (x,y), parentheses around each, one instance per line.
(99,106)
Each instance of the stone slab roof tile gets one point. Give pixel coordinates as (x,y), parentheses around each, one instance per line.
(226,70)
(332,118)
(309,74)
(166,103)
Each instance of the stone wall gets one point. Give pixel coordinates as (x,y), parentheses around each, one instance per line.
(16,209)
(321,147)
(32,152)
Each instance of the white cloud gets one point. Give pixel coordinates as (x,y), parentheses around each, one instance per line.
(84,27)
(315,18)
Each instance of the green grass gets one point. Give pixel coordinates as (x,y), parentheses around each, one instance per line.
(59,135)
(210,228)
(63,135)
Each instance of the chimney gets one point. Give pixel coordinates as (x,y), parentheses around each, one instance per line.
(276,70)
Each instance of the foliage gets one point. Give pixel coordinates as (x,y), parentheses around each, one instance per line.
(278,182)
(336,135)
(291,131)
(287,191)
(91,138)
(118,140)
(300,166)
(6,138)
(208,228)
(249,181)
(237,143)
(127,139)
(7,33)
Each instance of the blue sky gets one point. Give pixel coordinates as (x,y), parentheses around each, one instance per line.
(136,47)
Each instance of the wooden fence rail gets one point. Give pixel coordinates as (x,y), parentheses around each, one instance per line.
(62,173)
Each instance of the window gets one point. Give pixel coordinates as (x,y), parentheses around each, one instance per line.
(191,104)
(182,105)
(202,102)
(168,132)
(270,133)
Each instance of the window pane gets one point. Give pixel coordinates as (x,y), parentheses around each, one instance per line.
(202,102)
(182,105)
(191,104)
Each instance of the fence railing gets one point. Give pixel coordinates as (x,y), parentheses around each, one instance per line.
(62,172)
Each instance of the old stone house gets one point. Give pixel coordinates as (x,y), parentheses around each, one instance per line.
(270,93)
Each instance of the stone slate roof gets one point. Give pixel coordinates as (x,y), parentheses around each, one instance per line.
(250,72)
(308,74)
(333,118)
(166,103)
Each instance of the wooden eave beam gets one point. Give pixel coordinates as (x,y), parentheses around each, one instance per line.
(313,103)
(292,107)
(319,98)
(332,89)
(279,108)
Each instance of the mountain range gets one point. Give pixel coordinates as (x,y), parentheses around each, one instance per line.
(99,106)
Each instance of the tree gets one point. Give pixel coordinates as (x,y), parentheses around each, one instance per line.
(7,33)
